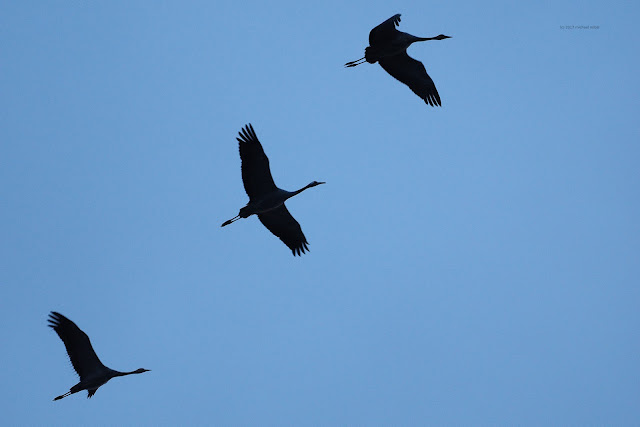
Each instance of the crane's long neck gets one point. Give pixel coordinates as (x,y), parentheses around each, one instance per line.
(404,40)
(122,374)
(300,190)
(424,39)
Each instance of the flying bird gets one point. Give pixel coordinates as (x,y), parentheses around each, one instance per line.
(388,47)
(89,368)
(265,199)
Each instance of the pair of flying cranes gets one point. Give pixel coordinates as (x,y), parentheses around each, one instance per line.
(388,47)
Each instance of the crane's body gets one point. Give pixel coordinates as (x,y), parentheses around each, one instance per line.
(388,47)
(93,374)
(265,199)
(91,383)
(267,202)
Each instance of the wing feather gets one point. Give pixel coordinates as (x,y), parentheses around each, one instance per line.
(256,174)
(385,31)
(412,73)
(280,222)
(83,358)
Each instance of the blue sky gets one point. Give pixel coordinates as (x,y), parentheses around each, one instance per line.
(475,263)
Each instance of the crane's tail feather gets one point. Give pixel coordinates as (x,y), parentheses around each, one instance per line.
(234,219)
(354,63)
(62,395)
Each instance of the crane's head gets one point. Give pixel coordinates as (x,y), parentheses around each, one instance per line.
(314,183)
(441,37)
(141,370)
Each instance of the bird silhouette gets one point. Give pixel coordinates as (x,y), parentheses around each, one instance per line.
(265,199)
(388,47)
(89,368)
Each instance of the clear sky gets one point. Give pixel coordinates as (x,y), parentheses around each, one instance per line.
(475,263)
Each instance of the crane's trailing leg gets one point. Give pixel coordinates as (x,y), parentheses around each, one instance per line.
(354,63)
(63,395)
(234,219)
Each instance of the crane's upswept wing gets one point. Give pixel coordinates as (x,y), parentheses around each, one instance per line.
(412,73)
(256,174)
(385,31)
(280,222)
(83,358)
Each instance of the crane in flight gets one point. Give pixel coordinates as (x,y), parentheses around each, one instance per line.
(265,199)
(388,47)
(84,359)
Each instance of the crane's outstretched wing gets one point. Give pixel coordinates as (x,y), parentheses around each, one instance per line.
(83,358)
(385,31)
(256,174)
(280,222)
(412,73)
